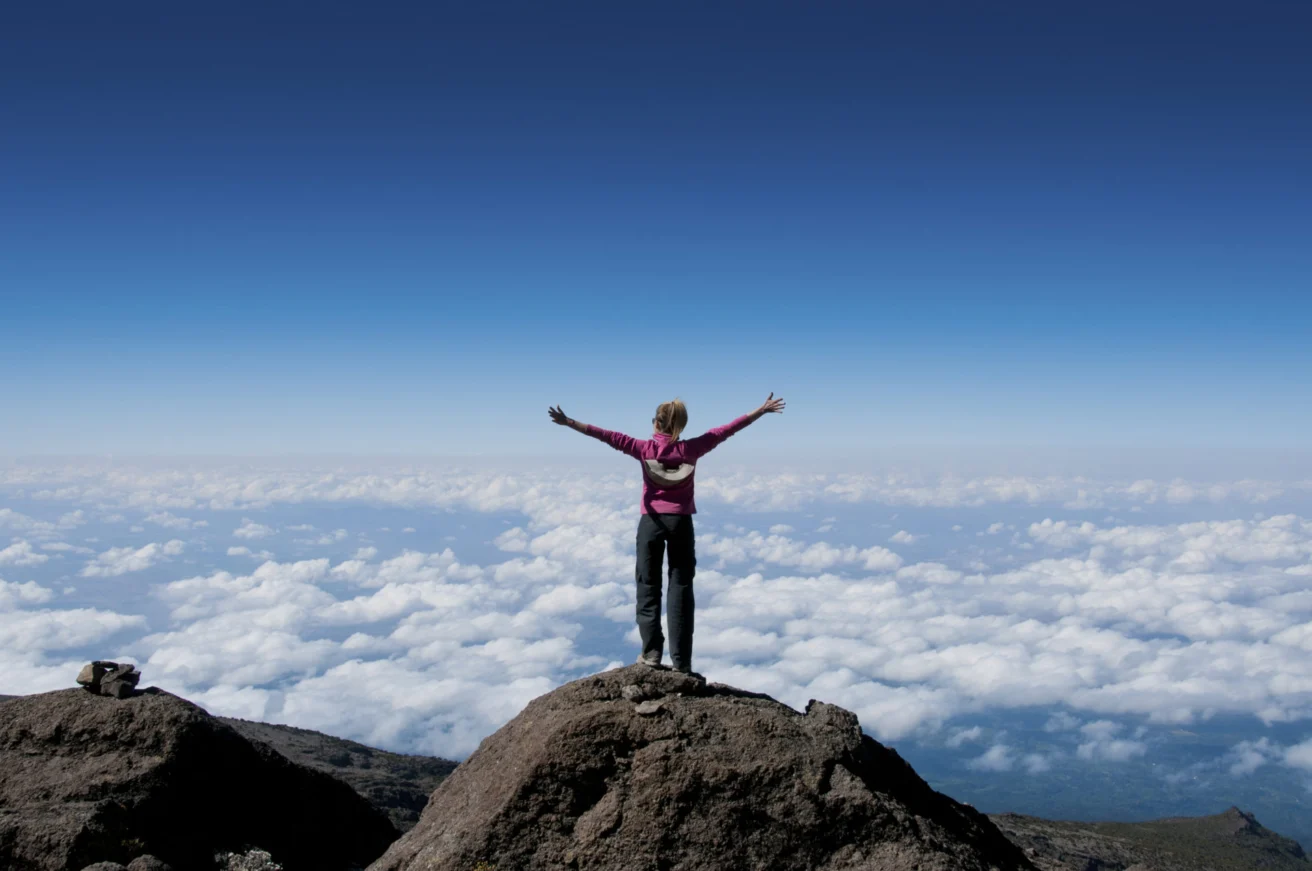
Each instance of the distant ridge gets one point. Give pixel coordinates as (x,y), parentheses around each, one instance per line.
(1229,841)
(397,784)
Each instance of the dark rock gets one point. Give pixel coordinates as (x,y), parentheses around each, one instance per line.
(119,689)
(92,672)
(106,866)
(109,678)
(723,779)
(149,863)
(85,778)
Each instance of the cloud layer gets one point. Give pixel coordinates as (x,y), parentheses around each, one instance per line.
(1124,626)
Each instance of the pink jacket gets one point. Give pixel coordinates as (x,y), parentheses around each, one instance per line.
(668,465)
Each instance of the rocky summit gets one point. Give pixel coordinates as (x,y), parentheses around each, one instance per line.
(87,778)
(650,770)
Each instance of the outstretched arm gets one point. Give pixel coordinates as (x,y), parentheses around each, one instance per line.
(617,440)
(705,443)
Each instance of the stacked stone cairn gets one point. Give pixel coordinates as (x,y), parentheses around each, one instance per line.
(106,678)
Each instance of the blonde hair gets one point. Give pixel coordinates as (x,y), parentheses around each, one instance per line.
(672,417)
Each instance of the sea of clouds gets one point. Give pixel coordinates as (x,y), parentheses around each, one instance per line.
(419,607)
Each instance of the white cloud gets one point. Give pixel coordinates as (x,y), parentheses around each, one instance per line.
(253,554)
(121,560)
(1165,623)
(326,538)
(1036,763)
(15,595)
(1187,547)
(171,521)
(249,529)
(1249,756)
(784,551)
(28,632)
(247,487)
(1061,722)
(904,537)
(781,529)
(20,553)
(1299,755)
(514,540)
(961,736)
(65,547)
(1102,745)
(997,758)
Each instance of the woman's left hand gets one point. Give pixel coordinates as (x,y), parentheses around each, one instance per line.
(558,416)
(772,405)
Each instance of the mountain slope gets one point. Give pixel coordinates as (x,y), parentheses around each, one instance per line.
(1230,841)
(397,784)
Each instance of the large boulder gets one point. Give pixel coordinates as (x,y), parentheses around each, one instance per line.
(640,770)
(90,778)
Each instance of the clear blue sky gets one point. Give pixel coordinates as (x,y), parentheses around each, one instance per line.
(278,228)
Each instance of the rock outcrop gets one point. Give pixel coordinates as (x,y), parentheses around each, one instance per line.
(646,770)
(88,778)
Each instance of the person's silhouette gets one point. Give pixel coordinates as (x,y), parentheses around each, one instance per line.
(668,467)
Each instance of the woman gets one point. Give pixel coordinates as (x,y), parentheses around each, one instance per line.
(668,464)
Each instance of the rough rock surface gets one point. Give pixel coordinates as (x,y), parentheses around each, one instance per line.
(1230,841)
(149,863)
(717,778)
(88,778)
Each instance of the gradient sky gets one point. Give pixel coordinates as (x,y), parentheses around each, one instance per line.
(286,228)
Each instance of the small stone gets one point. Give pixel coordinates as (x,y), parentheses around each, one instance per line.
(126,672)
(93,672)
(106,866)
(149,863)
(649,708)
(636,692)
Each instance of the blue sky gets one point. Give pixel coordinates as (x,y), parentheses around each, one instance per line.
(316,228)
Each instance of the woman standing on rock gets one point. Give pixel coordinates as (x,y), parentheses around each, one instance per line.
(668,464)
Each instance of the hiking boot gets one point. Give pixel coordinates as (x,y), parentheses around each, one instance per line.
(651,660)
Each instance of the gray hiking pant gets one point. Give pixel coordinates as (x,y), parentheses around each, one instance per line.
(656,532)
